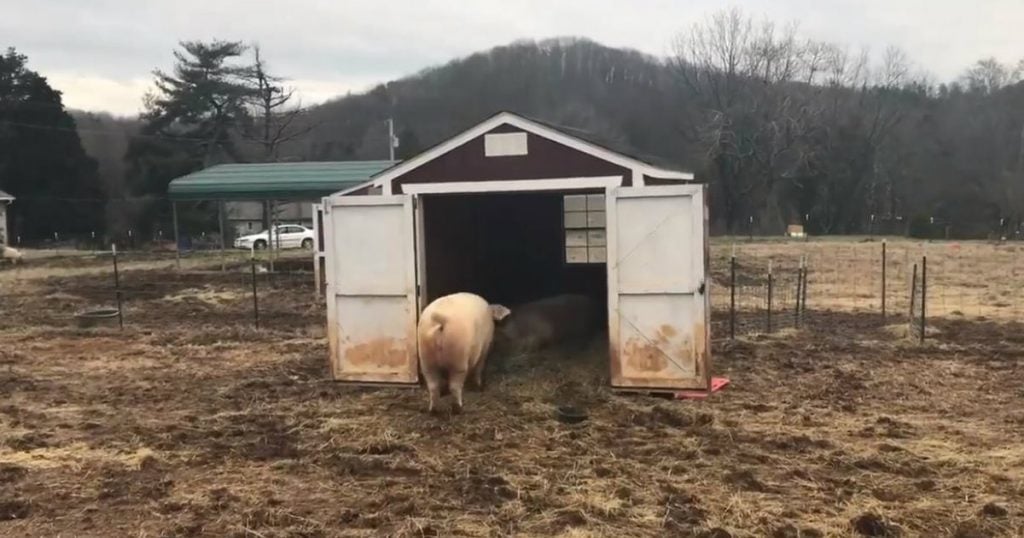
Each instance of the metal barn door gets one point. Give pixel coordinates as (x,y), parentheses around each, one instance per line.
(371,288)
(657,302)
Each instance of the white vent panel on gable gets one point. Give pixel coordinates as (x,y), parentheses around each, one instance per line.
(505,144)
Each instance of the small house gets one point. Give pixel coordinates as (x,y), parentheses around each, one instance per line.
(515,209)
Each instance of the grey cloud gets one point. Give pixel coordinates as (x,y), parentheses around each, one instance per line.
(335,41)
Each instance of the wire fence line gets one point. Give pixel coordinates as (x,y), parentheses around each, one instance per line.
(89,288)
(755,287)
(770,287)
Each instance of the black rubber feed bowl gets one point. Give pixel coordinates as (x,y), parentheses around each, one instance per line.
(570,415)
(92,318)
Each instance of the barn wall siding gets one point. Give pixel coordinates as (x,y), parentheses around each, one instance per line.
(545,160)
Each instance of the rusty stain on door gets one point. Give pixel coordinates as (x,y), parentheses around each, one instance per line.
(378,353)
(372,304)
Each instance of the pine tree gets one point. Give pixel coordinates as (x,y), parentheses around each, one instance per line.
(42,162)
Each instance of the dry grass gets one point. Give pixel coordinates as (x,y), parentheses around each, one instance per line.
(192,423)
(206,295)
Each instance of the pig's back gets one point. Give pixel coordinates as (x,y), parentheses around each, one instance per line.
(468,328)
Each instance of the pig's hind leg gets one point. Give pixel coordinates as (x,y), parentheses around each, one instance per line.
(481,365)
(434,380)
(456,380)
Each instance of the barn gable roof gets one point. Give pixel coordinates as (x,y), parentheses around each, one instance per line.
(556,134)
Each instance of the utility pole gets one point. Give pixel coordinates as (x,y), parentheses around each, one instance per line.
(392,141)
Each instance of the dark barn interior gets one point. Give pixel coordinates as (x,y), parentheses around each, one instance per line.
(506,247)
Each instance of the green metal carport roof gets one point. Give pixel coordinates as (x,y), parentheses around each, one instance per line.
(273,181)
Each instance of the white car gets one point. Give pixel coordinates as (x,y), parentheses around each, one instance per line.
(285,235)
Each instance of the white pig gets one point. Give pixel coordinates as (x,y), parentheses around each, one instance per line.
(454,337)
(547,322)
(12,254)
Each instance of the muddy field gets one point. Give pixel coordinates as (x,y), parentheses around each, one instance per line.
(191,422)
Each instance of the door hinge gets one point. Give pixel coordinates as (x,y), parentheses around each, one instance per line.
(700,288)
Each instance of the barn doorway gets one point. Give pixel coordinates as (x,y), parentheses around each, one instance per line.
(509,247)
(513,248)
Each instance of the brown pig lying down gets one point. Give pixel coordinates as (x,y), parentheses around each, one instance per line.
(547,322)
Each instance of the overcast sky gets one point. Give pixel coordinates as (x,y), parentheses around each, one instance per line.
(100,53)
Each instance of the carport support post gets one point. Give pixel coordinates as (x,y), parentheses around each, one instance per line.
(255,299)
(177,241)
(277,232)
(272,238)
(220,224)
(266,226)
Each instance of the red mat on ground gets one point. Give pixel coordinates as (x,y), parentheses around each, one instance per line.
(717,383)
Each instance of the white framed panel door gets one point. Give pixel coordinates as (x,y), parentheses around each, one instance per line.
(658,315)
(371,288)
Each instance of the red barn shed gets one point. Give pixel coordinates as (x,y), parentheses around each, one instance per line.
(514,209)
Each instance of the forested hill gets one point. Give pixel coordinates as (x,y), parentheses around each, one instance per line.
(830,140)
(616,95)
(782,128)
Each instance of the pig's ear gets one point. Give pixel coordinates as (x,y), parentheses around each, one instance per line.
(499,312)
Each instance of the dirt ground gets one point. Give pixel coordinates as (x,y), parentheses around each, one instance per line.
(190,422)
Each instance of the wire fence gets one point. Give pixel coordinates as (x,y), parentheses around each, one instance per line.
(67,244)
(755,287)
(94,289)
(769,287)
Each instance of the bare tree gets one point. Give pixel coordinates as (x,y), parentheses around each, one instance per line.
(773,57)
(710,57)
(275,120)
(813,56)
(846,70)
(988,75)
(749,119)
(895,68)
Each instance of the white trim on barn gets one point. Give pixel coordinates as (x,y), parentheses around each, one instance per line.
(354,188)
(516,185)
(638,168)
